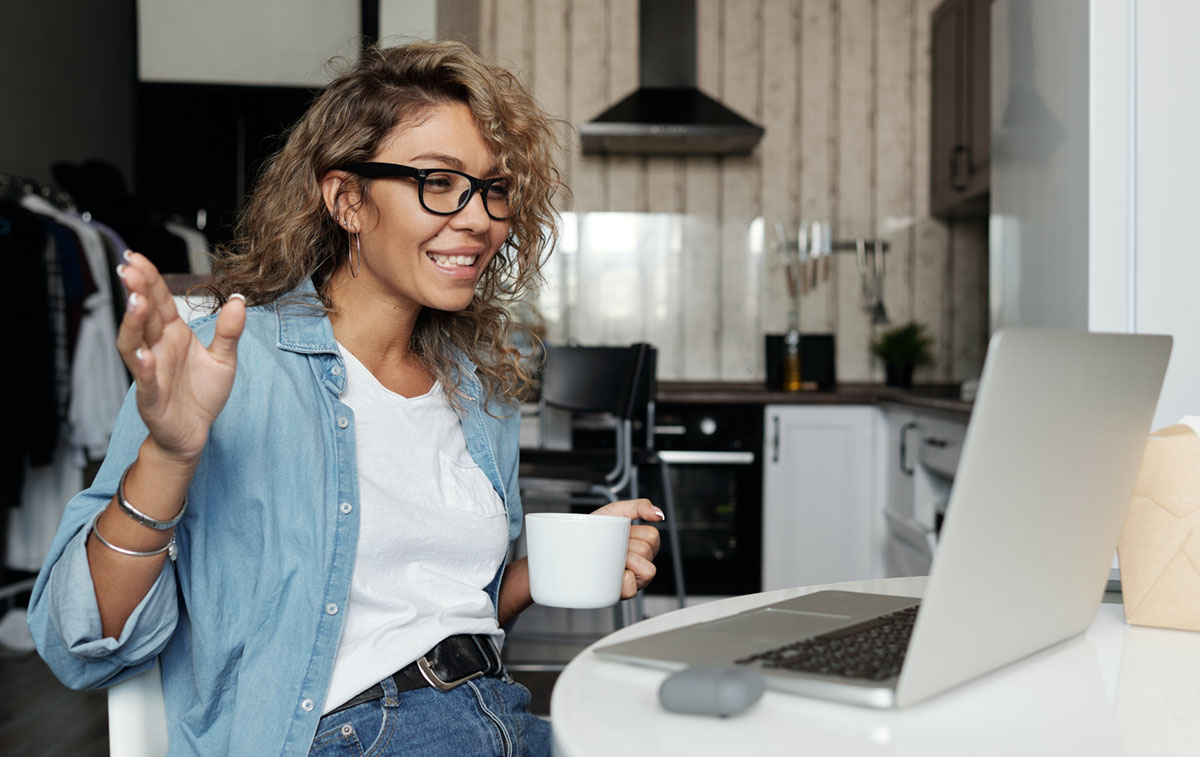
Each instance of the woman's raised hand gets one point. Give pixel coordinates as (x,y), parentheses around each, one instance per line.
(181,384)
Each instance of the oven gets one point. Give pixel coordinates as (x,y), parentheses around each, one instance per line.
(714,453)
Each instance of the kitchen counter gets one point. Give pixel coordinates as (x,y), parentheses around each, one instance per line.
(943,398)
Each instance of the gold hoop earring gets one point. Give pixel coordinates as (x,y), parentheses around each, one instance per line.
(355,267)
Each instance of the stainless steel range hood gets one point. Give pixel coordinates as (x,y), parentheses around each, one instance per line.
(668,114)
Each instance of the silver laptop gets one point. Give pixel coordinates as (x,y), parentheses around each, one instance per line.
(1048,465)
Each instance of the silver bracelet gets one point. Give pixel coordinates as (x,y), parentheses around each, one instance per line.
(169,547)
(141,517)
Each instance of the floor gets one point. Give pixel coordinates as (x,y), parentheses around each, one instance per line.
(39,717)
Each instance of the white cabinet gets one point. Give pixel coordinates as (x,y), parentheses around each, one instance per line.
(922,456)
(820,494)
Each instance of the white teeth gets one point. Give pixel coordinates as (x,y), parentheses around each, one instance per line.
(452,260)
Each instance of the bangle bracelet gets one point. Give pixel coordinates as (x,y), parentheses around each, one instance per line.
(169,547)
(140,517)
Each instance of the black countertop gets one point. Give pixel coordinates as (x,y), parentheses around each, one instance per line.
(942,398)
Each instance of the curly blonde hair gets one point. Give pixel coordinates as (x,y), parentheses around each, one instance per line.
(286,233)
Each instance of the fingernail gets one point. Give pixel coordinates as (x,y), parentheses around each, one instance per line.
(140,354)
(121,270)
(659,513)
(132,302)
(126,255)
(238,296)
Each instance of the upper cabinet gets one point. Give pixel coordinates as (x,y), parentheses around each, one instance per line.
(960,122)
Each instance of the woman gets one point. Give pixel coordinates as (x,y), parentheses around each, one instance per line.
(307,519)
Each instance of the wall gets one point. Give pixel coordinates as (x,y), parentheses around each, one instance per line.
(842,88)
(1166,273)
(1040,158)
(1086,229)
(67,88)
(265,42)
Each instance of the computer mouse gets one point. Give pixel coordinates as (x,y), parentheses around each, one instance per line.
(720,691)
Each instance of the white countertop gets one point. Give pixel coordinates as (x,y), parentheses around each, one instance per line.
(1116,690)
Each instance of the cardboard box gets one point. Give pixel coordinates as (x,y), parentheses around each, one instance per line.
(1159,551)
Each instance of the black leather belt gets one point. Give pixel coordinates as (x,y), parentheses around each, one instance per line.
(455,660)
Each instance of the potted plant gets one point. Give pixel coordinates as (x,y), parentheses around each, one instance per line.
(903,349)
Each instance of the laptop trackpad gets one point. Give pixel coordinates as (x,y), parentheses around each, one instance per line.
(773,626)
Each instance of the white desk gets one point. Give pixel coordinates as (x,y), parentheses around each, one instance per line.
(1117,690)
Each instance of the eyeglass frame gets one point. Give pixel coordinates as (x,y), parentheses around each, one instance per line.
(380,170)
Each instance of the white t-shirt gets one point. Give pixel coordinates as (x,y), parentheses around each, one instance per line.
(432,534)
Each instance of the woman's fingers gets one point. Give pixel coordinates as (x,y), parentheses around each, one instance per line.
(644,542)
(139,276)
(145,375)
(639,571)
(230,322)
(131,335)
(647,538)
(633,508)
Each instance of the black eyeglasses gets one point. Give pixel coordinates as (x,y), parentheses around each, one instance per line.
(443,191)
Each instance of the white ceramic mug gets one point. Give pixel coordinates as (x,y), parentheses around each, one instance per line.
(576,561)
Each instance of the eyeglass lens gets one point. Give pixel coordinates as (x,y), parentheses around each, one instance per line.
(445,192)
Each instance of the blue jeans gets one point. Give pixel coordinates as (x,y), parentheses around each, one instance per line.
(486,716)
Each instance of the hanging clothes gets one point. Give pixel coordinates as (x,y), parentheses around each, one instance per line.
(199,260)
(98,378)
(34,420)
(81,380)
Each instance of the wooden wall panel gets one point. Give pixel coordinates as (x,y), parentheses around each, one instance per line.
(842,88)
(741,332)
(779,182)
(626,173)
(587,96)
(969,295)
(931,258)
(818,145)
(855,171)
(701,235)
(894,206)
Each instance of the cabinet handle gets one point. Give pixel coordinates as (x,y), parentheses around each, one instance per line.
(957,152)
(937,443)
(904,467)
(775,441)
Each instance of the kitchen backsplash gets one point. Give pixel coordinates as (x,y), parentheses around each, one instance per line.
(698,289)
(842,89)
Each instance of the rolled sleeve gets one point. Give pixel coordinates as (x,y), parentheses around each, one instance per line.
(76,617)
(63,615)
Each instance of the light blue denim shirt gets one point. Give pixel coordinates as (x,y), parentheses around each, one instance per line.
(247,620)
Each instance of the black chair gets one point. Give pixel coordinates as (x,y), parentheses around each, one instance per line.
(597,388)
(605,390)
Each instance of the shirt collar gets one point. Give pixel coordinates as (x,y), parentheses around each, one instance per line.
(303,327)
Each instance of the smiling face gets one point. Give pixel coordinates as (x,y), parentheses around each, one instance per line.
(411,258)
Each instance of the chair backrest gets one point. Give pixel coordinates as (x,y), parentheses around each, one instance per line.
(137,716)
(594,379)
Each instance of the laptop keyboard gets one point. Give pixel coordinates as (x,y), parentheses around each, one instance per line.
(872,650)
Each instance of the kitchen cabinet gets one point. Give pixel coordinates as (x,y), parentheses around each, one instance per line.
(960,101)
(820,503)
(922,452)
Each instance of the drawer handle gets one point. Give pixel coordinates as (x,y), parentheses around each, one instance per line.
(775,442)
(905,468)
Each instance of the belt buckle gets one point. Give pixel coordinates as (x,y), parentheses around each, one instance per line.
(436,682)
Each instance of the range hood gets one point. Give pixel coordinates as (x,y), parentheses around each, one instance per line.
(668,114)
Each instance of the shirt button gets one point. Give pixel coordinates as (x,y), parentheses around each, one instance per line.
(342,422)
(347,730)
(337,370)
(307,705)
(331,608)
(345,508)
